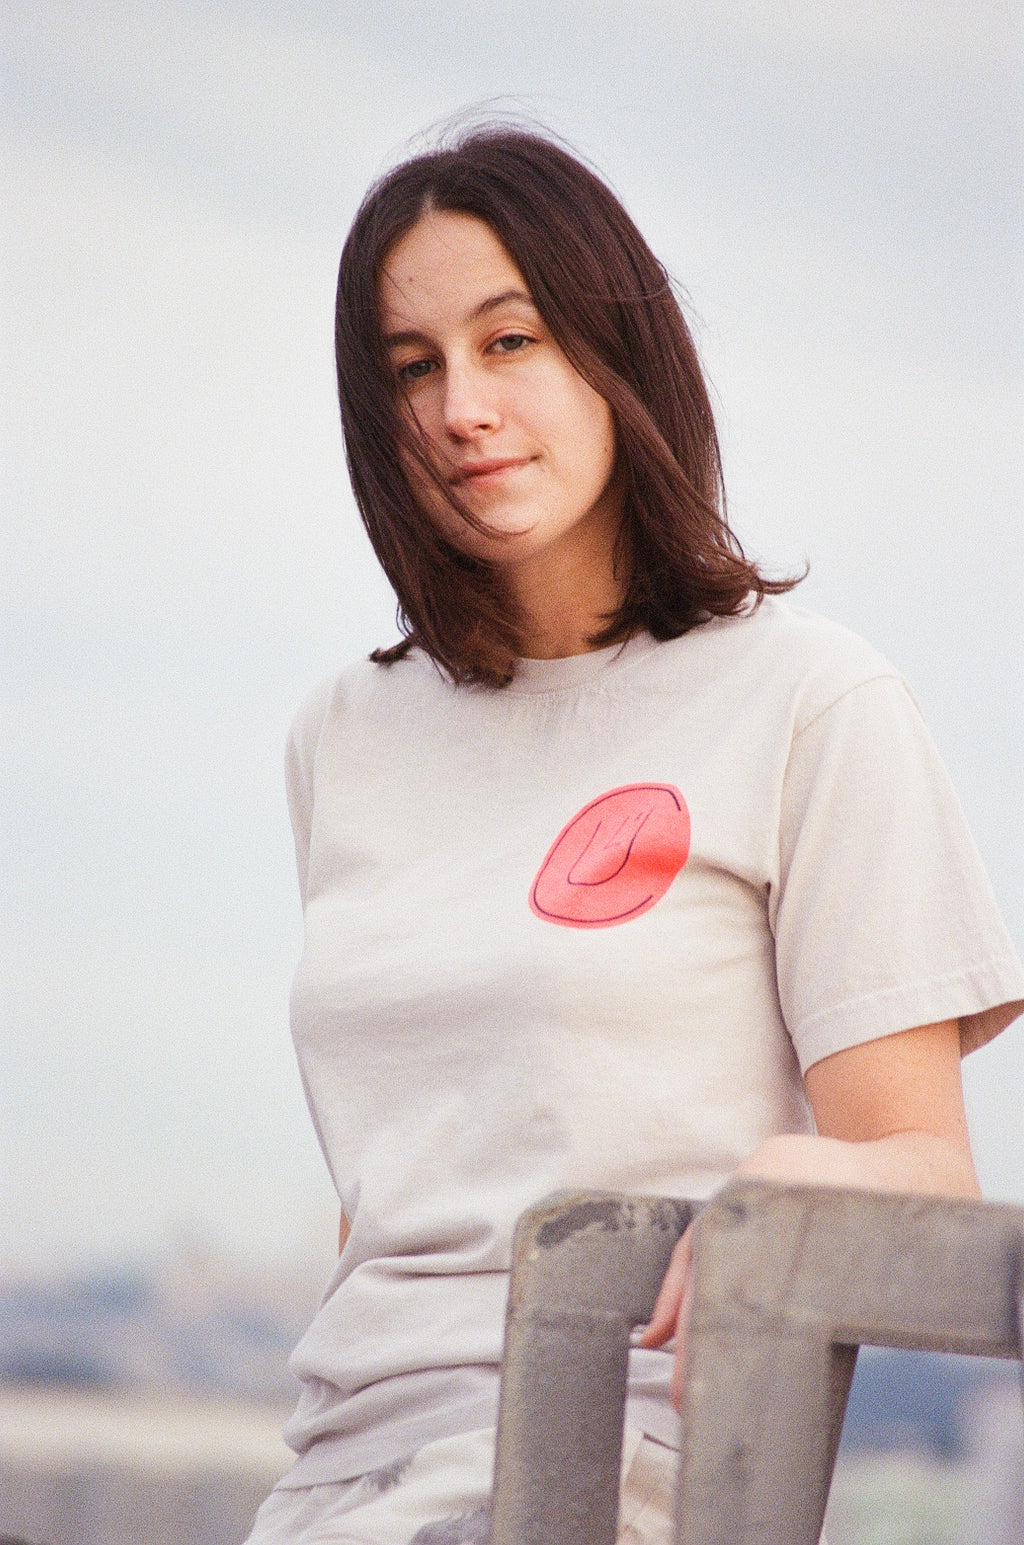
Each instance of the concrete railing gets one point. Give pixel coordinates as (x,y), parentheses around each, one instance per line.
(788,1282)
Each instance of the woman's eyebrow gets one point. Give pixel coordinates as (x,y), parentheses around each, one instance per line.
(492,303)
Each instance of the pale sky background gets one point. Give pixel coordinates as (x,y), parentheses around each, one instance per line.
(836,185)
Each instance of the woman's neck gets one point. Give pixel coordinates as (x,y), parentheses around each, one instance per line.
(563,598)
(565,621)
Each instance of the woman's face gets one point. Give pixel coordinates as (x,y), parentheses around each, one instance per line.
(524,442)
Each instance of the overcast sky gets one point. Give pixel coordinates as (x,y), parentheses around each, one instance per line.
(836,189)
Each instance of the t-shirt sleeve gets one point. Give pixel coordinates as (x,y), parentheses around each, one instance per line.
(885,917)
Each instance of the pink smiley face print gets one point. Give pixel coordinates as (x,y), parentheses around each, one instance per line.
(615,859)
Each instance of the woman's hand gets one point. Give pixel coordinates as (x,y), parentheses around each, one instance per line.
(890,1117)
(796,1158)
(671,1316)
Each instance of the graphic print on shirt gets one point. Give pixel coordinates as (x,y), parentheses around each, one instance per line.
(615,859)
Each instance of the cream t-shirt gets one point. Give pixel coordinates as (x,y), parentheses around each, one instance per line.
(586,931)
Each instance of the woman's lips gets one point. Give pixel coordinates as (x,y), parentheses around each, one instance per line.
(476,473)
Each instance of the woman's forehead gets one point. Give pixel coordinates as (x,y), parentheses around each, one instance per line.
(448,268)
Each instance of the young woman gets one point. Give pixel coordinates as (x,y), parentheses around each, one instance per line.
(618,871)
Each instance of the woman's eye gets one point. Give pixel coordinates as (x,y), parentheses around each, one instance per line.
(508,343)
(415,370)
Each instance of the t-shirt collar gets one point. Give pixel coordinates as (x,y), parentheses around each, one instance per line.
(577,669)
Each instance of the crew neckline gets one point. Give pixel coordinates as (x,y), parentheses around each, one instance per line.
(576,670)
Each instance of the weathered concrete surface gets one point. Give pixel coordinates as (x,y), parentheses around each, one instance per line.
(788,1281)
(586,1269)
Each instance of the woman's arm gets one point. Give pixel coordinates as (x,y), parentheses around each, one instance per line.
(890,1117)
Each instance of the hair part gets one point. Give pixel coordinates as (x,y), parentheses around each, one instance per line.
(609,304)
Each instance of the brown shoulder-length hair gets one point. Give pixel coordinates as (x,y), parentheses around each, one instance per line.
(609,304)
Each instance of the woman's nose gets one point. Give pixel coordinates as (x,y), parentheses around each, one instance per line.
(469,402)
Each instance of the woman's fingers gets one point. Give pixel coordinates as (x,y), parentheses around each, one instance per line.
(663,1323)
(671,1314)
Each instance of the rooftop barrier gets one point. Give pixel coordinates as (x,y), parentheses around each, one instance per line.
(788,1281)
